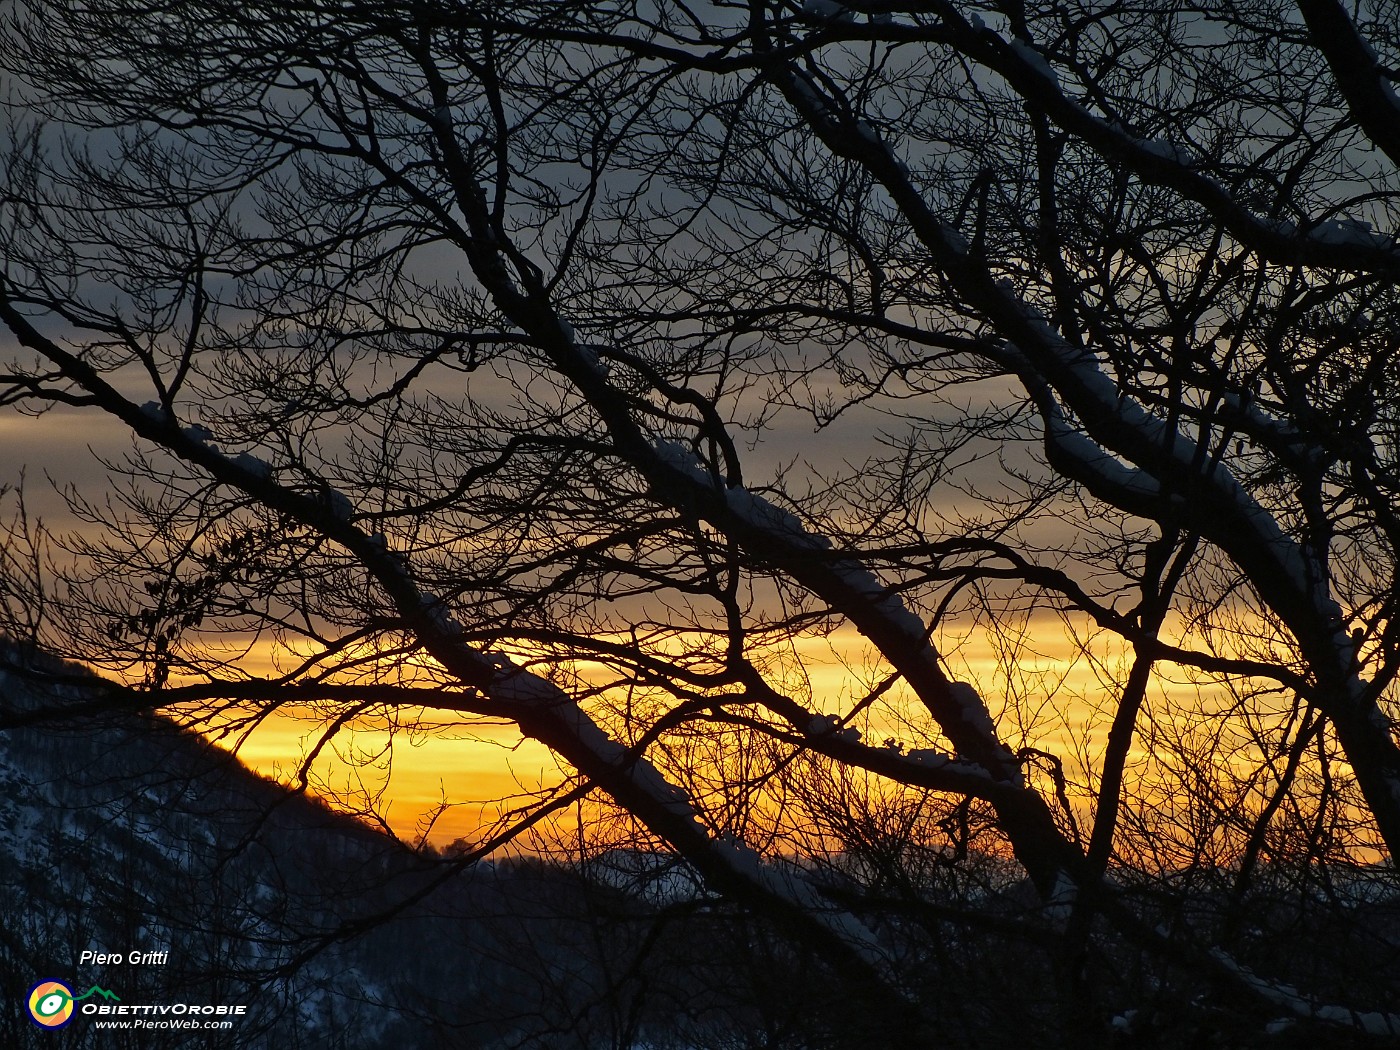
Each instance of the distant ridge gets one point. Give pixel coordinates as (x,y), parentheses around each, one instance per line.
(122,830)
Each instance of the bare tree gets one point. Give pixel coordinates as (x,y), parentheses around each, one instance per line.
(464,347)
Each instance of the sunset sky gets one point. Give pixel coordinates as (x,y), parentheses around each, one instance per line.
(476,769)
(875,525)
(473,769)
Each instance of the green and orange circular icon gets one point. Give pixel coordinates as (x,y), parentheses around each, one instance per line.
(51,1004)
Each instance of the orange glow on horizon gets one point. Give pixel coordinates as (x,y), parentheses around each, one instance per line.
(1036,685)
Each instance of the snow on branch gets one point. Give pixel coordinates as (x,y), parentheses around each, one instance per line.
(1374,1022)
(1358,71)
(875,609)
(1090,464)
(1347,244)
(1111,418)
(1122,424)
(1033,58)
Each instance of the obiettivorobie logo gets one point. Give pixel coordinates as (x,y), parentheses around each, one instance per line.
(51,1002)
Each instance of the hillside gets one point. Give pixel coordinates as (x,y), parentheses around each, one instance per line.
(123,833)
(126,833)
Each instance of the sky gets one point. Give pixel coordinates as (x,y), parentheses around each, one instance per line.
(478,770)
(472,770)
(64,445)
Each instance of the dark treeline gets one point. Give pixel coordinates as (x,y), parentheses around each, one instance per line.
(135,833)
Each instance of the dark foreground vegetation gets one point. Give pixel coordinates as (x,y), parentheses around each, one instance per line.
(134,833)
(926,475)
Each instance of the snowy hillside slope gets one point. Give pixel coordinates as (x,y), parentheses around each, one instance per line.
(122,832)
